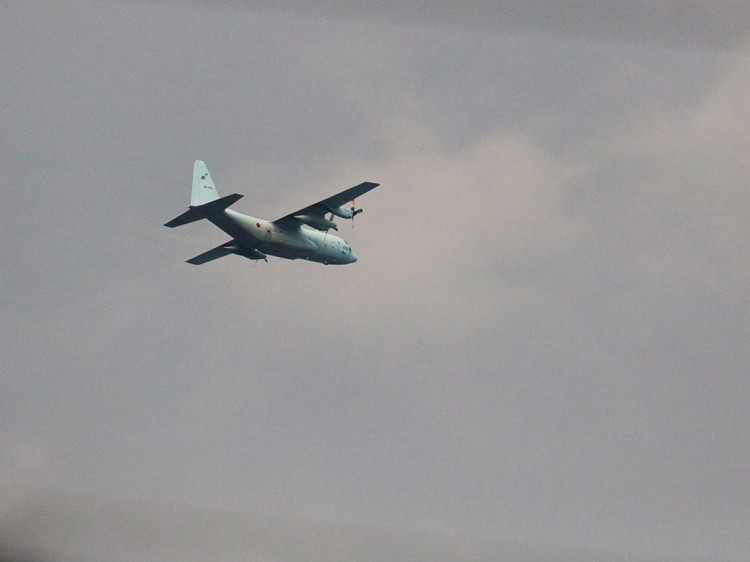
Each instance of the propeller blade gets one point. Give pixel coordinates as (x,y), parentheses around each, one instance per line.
(354,209)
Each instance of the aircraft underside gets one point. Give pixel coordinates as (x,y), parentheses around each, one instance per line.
(303,234)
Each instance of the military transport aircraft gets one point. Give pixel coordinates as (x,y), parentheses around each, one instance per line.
(285,238)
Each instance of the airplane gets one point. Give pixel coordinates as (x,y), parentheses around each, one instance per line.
(286,237)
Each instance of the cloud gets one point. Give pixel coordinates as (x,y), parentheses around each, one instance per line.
(25,459)
(604,292)
(545,335)
(667,23)
(50,527)
(684,175)
(452,239)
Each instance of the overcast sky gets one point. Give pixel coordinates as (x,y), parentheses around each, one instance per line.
(546,338)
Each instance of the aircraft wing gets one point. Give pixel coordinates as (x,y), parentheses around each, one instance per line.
(327,205)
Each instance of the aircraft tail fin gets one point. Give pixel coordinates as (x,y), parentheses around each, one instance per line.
(204,190)
(204,198)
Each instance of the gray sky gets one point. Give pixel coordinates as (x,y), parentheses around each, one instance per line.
(545,341)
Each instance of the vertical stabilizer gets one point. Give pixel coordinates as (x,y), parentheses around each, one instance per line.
(204,190)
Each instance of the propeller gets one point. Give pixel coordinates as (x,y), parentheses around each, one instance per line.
(355,211)
(339,212)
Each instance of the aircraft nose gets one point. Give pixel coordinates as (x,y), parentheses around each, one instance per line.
(353,256)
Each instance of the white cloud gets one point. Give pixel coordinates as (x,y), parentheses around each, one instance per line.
(686,171)
(445,219)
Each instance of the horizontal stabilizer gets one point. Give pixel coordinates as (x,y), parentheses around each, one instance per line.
(225,249)
(216,253)
(202,211)
(218,204)
(188,216)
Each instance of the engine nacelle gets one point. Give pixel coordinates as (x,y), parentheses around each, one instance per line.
(345,212)
(321,223)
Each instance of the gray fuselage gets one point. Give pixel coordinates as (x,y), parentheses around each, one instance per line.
(284,241)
